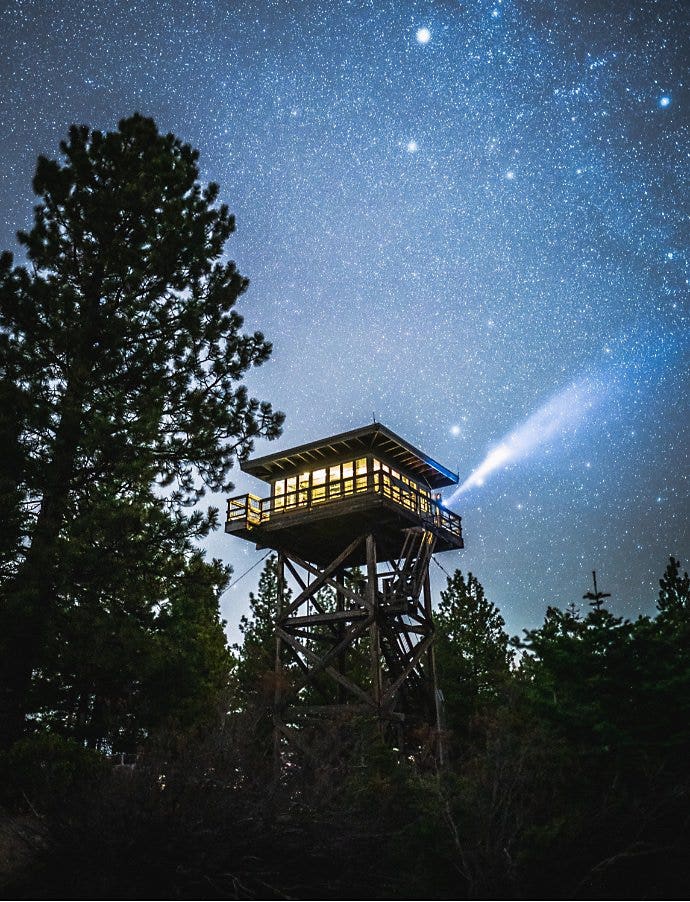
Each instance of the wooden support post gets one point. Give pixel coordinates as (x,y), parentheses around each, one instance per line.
(372,603)
(340,607)
(278,688)
(431,658)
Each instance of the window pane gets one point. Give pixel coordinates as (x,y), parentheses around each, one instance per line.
(279,493)
(290,496)
(318,486)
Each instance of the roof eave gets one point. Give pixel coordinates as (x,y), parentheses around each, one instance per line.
(269,466)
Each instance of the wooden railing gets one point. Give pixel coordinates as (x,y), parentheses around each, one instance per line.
(253,511)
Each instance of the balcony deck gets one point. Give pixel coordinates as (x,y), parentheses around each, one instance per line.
(318,521)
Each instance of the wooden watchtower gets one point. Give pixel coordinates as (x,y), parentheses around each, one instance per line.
(356,517)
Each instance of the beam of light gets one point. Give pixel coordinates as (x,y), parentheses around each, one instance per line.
(562,413)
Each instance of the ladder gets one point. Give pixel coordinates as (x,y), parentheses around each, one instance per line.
(403,591)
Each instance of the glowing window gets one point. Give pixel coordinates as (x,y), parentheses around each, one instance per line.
(279,493)
(335,487)
(290,491)
(361,470)
(318,485)
(303,487)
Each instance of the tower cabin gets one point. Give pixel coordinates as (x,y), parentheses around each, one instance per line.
(325,494)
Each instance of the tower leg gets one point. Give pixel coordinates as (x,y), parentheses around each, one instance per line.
(278,688)
(340,663)
(431,659)
(372,602)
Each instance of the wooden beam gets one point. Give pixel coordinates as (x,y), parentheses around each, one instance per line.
(327,617)
(330,581)
(322,577)
(306,710)
(316,710)
(277,692)
(372,599)
(419,651)
(296,574)
(355,631)
(331,671)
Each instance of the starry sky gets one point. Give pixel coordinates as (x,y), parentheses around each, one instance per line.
(457,216)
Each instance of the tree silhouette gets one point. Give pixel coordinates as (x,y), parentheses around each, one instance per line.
(121,357)
(472,651)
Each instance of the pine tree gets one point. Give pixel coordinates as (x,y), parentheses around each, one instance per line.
(472,648)
(673,603)
(122,355)
(256,655)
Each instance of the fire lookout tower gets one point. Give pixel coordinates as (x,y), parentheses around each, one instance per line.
(364,500)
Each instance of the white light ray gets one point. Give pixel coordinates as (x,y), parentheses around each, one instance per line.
(565,411)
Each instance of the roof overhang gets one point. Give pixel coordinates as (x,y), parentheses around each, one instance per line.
(375,438)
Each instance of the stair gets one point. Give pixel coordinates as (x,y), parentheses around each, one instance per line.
(406,585)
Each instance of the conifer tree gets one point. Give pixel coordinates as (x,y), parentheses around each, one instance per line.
(472,649)
(674,595)
(121,356)
(256,654)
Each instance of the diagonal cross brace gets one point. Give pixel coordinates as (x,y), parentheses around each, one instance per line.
(407,670)
(319,664)
(323,577)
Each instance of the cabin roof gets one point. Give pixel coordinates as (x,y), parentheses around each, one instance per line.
(375,438)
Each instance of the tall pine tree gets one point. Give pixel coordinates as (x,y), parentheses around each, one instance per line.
(257,654)
(121,359)
(472,648)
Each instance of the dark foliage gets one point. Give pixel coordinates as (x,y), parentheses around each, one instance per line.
(570,781)
(121,359)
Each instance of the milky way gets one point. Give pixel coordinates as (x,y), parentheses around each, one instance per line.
(448,212)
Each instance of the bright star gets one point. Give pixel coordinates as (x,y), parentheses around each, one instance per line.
(455,430)
(664,101)
(423,35)
(510,174)
(412,146)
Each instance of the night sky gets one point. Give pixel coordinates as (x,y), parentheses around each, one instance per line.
(460,217)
